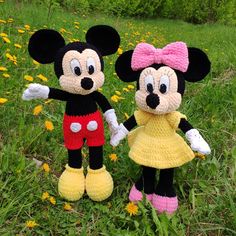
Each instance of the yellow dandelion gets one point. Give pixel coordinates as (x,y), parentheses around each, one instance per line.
(76,26)
(17,45)
(36,63)
(5,75)
(21,31)
(131,208)
(6,40)
(130,86)
(118,92)
(3,100)
(3,21)
(62,30)
(3,35)
(46,167)
(10,20)
(125,89)
(45,196)
(115,98)
(113,157)
(199,155)
(27,27)
(52,200)
(67,207)
(126,116)
(2,68)
(119,51)
(37,110)
(42,77)
(49,125)
(100,89)
(30,224)
(48,101)
(28,78)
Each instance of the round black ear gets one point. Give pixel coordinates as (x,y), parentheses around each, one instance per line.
(199,65)
(44,45)
(123,67)
(105,38)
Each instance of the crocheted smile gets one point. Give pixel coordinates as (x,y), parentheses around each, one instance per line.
(158,90)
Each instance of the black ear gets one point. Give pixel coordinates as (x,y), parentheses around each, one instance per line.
(199,65)
(44,45)
(105,38)
(123,67)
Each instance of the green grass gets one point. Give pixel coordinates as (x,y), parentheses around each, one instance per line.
(206,189)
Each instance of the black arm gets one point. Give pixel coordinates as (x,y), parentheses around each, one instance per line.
(101,101)
(58,94)
(184,125)
(130,123)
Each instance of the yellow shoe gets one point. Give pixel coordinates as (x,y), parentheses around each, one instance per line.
(99,184)
(71,183)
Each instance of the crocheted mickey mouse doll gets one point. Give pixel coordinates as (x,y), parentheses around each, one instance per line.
(79,68)
(160,76)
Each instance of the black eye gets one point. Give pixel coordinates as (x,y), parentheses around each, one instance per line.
(91,65)
(77,70)
(75,67)
(163,88)
(91,69)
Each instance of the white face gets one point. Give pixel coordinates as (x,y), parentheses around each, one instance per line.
(81,72)
(157,92)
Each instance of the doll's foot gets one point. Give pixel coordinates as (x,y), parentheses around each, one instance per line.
(165,204)
(99,184)
(71,184)
(135,195)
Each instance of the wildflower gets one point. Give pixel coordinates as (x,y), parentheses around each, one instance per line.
(67,206)
(119,51)
(27,27)
(113,157)
(131,208)
(118,92)
(5,75)
(130,86)
(11,58)
(42,77)
(21,31)
(2,68)
(36,63)
(45,196)
(125,89)
(17,45)
(52,200)
(37,110)
(126,116)
(6,40)
(199,155)
(3,21)
(28,78)
(48,101)
(3,35)
(115,98)
(3,100)
(10,20)
(100,89)
(30,224)
(49,125)
(46,167)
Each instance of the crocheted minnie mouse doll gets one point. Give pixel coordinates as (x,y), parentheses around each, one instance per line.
(160,76)
(79,68)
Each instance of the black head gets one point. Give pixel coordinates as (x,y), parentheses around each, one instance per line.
(78,65)
(159,87)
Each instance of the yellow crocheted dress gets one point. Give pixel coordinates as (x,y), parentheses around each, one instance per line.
(156,144)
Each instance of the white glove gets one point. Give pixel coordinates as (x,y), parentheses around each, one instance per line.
(111,119)
(197,142)
(35,91)
(120,134)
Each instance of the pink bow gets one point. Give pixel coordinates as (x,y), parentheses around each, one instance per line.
(174,55)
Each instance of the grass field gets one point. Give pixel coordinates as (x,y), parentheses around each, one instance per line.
(206,188)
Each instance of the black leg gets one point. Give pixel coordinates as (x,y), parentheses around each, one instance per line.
(147,180)
(96,157)
(165,185)
(75,158)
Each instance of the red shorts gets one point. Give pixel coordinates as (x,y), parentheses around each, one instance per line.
(78,128)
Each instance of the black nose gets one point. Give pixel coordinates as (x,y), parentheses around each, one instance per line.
(152,100)
(86,83)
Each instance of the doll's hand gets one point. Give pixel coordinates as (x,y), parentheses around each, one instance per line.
(111,119)
(119,135)
(197,142)
(35,91)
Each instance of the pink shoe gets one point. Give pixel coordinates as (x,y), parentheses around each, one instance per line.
(135,195)
(165,204)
